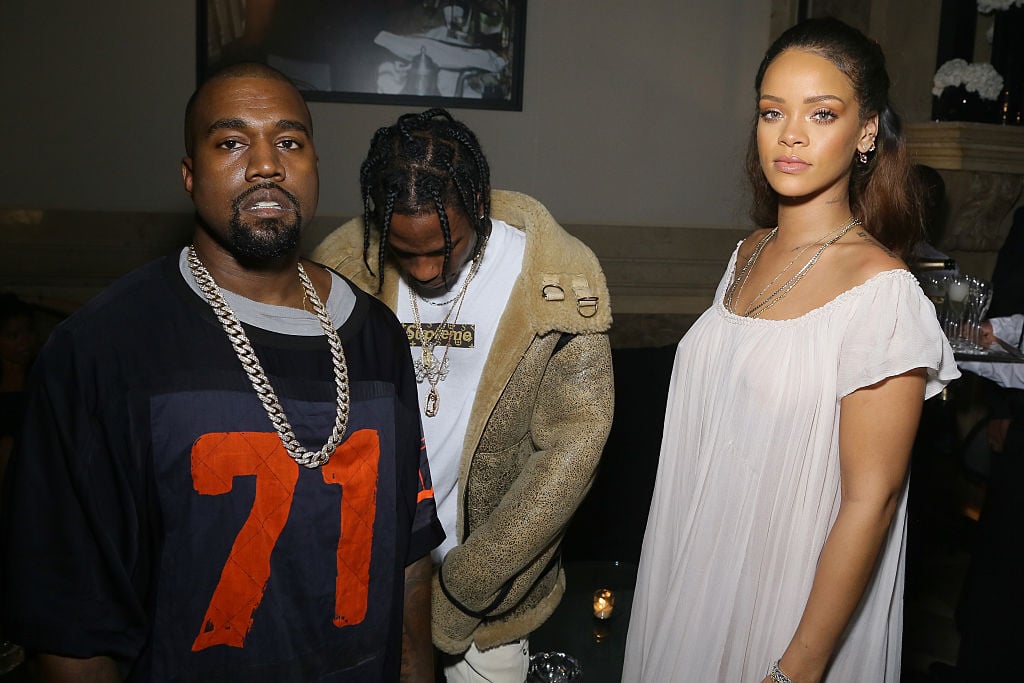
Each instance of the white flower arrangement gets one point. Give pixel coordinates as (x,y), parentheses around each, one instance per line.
(979,77)
(989,6)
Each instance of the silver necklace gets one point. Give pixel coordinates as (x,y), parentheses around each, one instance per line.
(778,295)
(251,364)
(756,309)
(740,281)
(800,253)
(428,367)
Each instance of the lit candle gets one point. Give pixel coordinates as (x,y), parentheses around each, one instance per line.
(604,602)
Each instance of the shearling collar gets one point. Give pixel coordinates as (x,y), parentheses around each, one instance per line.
(555,263)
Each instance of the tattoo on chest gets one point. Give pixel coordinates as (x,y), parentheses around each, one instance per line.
(868,237)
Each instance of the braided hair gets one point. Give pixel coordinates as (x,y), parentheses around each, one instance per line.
(424,162)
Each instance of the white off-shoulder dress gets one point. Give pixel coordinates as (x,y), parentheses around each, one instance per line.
(748,486)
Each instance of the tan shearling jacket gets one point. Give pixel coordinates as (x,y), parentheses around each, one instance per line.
(537,428)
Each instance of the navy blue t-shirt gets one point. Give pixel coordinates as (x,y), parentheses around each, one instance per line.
(155,516)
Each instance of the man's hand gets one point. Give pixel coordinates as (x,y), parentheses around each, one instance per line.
(986,338)
(417,649)
(55,669)
(997,434)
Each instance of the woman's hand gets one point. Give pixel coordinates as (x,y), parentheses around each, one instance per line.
(877,426)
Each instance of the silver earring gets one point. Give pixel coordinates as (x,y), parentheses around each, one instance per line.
(862,157)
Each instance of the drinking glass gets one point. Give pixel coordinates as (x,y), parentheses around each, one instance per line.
(934,286)
(978,301)
(957,295)
(554,667)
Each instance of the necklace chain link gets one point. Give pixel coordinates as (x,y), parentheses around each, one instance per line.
(258,378)
(428,367)
(755,308)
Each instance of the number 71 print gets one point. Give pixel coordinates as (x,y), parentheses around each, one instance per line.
(217,458)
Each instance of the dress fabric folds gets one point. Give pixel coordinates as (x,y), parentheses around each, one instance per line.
(748,485)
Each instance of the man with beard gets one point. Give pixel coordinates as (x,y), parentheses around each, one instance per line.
(166,520)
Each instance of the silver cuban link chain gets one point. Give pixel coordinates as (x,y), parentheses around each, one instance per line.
(258,378)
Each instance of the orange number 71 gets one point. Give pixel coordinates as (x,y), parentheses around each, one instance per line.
(217,458)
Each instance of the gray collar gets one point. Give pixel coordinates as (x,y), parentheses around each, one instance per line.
(281,319)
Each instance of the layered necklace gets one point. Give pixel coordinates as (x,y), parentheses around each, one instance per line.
(759,305)
(428,367)
(258,378)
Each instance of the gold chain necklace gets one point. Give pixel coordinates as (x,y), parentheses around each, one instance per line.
(439,304)
(428,367)
(757,309)
(258,378)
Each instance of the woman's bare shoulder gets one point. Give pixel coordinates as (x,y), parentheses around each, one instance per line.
(867,257)
(750,243)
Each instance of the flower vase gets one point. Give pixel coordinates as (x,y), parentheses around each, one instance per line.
(957,103)
(1008,60)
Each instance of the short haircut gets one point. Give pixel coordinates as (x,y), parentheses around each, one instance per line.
(237,70)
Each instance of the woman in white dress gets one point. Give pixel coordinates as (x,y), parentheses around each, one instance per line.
(775,541)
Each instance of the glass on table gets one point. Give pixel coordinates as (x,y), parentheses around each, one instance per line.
(604,603)
(954,312)
(934,286)
(978,301)
(554,667)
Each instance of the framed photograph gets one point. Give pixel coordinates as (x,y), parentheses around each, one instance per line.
(449,53)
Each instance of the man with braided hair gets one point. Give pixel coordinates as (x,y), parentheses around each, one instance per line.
(507,318)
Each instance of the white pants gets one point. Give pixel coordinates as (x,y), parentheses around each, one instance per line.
(502,664)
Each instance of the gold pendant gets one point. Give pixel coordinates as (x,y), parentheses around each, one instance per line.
(430,408)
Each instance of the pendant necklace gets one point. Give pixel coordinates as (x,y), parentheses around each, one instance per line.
(428,367)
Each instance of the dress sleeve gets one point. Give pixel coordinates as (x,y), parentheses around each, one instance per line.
(892,329)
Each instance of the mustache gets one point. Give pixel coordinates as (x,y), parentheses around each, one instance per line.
(236,204)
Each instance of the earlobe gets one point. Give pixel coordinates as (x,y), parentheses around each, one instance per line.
(867,139)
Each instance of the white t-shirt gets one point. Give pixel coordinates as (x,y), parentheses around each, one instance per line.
(484,304)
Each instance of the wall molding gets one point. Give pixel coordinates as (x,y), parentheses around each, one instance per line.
(982,165)
(660,277)
(966,146)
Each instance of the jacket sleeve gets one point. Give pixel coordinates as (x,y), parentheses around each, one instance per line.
(494,568)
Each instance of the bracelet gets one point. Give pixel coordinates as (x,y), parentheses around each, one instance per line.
(776,675)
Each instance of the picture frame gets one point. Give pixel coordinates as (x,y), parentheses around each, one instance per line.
(426,53)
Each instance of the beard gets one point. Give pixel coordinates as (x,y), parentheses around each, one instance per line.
(256,239)
(264,239)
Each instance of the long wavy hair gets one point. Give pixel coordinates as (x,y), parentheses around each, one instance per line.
(883,194)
